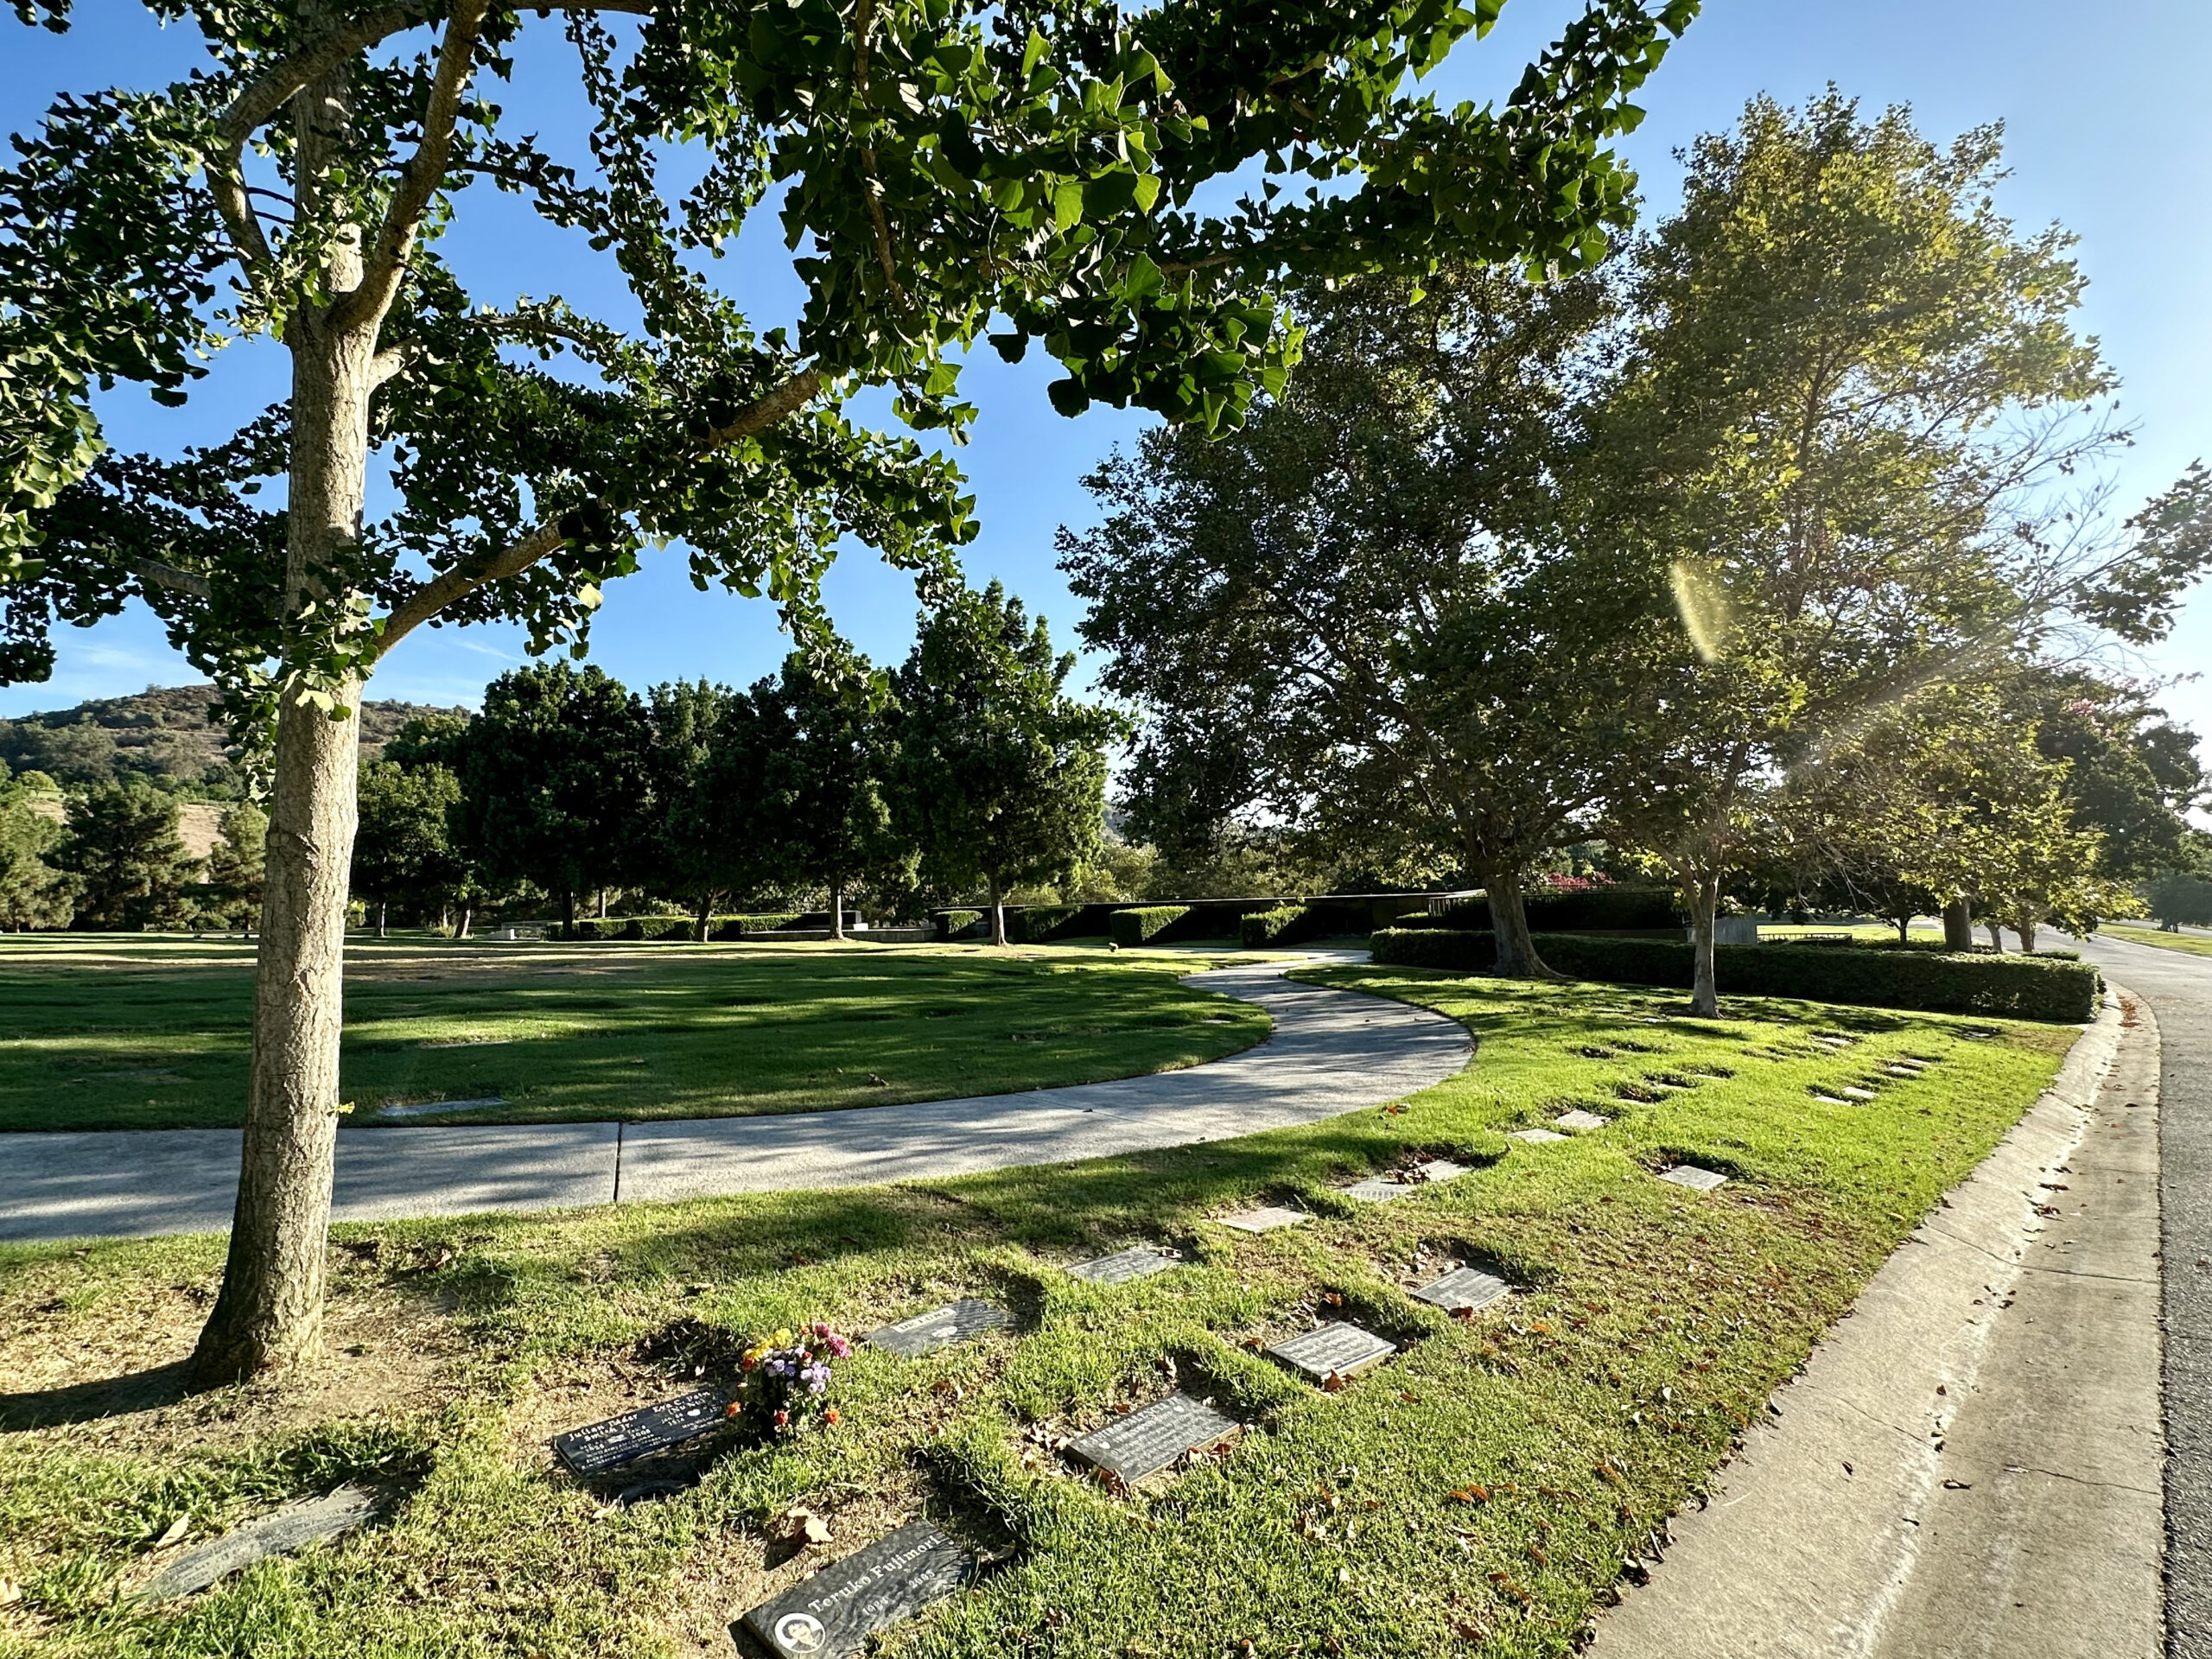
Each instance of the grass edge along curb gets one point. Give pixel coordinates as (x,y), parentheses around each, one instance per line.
(2016,987)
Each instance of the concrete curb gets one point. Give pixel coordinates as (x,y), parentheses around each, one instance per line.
(1951,1473)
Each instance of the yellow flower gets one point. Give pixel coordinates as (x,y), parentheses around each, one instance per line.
(783,1338)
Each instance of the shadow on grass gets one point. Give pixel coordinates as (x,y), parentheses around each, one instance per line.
(106,1396)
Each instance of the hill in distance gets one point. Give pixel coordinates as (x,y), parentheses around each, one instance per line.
(166,736)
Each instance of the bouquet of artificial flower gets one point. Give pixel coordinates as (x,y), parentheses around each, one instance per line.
(787,1379)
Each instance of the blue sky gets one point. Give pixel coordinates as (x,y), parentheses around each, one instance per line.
(2106,130)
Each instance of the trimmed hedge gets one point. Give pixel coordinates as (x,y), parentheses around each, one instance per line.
(957,924)
(1146,923)
(1036,924)
(736,927)
(1597,909)
(1284,925)
(2015,987)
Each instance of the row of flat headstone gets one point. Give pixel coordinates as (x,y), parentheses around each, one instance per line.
(832,1613)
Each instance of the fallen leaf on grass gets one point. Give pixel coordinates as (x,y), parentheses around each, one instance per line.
(804,1526)
(1472,1494)
(176,1532)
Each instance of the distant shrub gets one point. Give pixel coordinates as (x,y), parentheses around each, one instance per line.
(2021,988)
(1148,923)
(958,923)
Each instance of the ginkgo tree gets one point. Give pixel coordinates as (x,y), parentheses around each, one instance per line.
(942,170)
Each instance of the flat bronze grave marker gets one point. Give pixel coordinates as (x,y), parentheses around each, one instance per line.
(1376,1189)
(831,1614)
(1830,1100)
(1536,1137)
(281,1532)
(1578,1119)
(1333,1350)
(600,1446)
(1689,1175)
(1266,1218)
(1853,1092)
(1462,1288)
(1144,1442)
(940,1327)
(1440,1169)
(1140,1262)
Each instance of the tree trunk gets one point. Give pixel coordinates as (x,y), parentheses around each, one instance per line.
(1904,929)
(269,1312)
(1958,925)
(998,914)
(1996,937)
(2026,927)
(1703,893)
(380,917)
(1508,920)
(568,914)
(467,911)
(836,909)
(706,916)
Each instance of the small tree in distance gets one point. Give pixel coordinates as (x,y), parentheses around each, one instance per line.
(237,865)
(1002,774)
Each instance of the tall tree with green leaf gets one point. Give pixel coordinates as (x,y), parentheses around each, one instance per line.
(1357,616)
(33,894)
(1852,386)
(936,167)
(237,865)
(131,869)
(404,850)
(1001,773)
(555,783)
(824,757)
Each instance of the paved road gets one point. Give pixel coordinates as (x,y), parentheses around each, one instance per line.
(1332,1051)
(2178,988)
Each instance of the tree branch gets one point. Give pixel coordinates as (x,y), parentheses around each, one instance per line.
(402,217)
(168,576)
(260,102)
(433,596)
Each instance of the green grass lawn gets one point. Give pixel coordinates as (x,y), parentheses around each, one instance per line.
(1478,1495)
(2195,945)
(119,1033)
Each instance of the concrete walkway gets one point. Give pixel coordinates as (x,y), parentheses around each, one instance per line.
(1970,1464)
(1332,1051)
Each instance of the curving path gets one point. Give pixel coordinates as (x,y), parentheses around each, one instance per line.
(1332,1051)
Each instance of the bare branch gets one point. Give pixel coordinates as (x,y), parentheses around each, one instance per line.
(433,596)
(402,217)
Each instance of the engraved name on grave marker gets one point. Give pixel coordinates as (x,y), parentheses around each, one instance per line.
(1339,1349)
(1144,1442)
(1462,1288)
(940,1327)
(281,1532)
(1376,1189)
(602,1445)
(1140,1262)
(1265,1219)
(831,1614)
